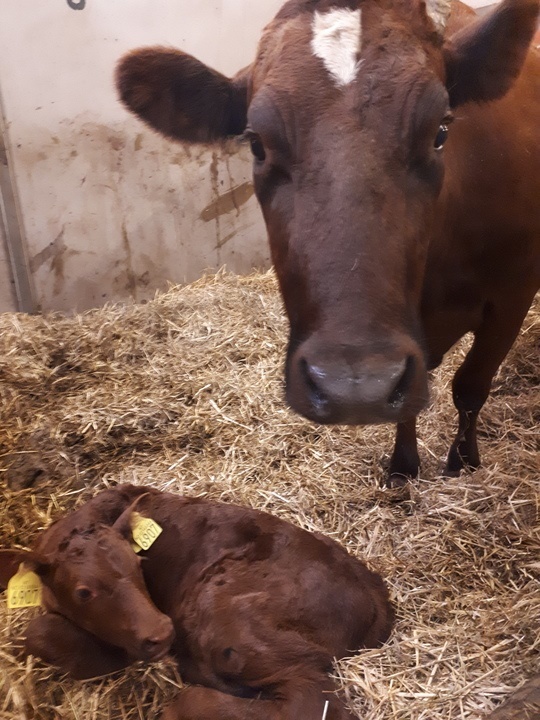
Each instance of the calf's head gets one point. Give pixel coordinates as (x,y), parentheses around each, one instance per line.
(347,107)
(94,578)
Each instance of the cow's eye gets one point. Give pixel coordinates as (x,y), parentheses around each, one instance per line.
(442,135)
(257,148)
(83,593)
(256,144)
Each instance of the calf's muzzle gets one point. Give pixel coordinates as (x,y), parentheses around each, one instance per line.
(157,641)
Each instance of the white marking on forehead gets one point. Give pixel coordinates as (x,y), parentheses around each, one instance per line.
(337,42)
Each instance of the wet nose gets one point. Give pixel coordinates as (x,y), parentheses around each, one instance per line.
(349,385)
(159,642)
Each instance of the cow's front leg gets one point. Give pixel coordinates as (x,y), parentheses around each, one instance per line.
(463,453)
(472,381)
(405,462)
(470,389)
(59,642)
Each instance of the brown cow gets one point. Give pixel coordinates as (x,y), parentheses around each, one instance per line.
(258,606)
(388,248)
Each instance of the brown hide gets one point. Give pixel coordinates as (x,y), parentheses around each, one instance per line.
(387,246)
(259,607)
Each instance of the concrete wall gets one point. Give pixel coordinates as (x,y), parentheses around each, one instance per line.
(110,211)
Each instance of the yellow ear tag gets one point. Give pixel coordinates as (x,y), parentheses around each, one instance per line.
(145,532)
(24,589)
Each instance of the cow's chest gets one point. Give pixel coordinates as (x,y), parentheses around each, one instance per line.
(453,304)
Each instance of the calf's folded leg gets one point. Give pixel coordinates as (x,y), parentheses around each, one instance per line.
(249,668)
(58,642)
(297,699)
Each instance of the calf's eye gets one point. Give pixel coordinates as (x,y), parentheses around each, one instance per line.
(83,593)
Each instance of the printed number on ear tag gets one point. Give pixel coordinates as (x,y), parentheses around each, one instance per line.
(24,589)
(145,532)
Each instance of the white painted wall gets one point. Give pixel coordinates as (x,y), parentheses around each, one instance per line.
(110,210)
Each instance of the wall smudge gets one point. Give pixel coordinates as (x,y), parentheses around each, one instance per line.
(227,202)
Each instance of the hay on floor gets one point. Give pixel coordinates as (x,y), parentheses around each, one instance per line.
(185,393)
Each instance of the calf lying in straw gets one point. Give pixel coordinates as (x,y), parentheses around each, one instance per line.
(252,607)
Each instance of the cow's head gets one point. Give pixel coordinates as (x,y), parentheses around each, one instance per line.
(94,578)
(347,108)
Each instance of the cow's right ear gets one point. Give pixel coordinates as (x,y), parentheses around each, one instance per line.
(485,57)
(182,97)
(11,559)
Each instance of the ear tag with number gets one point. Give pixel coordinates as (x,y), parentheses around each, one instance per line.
(24,589)
(145,532)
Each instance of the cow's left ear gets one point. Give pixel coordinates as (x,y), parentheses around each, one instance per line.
(181,97)
(484,59)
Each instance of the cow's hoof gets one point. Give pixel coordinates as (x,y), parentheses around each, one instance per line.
(461,456)
(397,489)
(450,472)
(455,465)
(396,481)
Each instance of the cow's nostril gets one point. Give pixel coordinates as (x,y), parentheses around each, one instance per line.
(313,377)
(399,393)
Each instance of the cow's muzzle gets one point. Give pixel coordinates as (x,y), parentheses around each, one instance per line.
(355,385)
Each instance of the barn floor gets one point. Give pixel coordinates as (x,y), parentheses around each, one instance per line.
(185,392)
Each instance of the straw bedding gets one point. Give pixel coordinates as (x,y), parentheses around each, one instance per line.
(185,392)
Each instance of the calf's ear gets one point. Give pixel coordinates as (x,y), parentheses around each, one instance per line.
(11,559)
(123,524)
(484,59)
(181,97)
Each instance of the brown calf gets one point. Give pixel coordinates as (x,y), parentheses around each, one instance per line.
(388,247)
(252,607)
